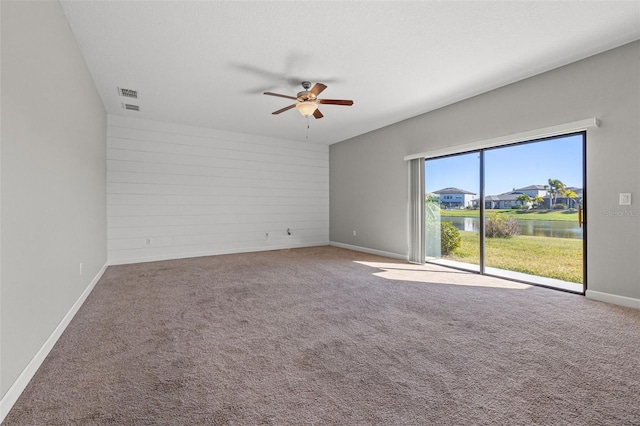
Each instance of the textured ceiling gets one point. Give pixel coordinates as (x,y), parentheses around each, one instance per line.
(207,63)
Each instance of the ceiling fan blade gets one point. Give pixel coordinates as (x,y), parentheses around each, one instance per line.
(281,96)
(283,109)
(335,102)
(317,114)
(317,89)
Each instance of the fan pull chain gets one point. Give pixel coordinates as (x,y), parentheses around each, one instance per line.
(307,136)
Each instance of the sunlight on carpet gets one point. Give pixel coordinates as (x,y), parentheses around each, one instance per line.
(431,275)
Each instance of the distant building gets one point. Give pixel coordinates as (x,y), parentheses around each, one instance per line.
(570,203)
(534,190)
(502,201)
(455,198)
(509,199)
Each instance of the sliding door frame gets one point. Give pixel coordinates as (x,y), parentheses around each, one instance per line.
(481,152)
(482,212)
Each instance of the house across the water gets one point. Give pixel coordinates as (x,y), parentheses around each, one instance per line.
(455,198)
(510,200)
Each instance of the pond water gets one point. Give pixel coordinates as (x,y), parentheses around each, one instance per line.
(538,228)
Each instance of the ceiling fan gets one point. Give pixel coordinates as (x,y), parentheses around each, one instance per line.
(307,100)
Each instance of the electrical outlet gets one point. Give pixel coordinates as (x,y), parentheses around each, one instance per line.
(625,199)
(354,232)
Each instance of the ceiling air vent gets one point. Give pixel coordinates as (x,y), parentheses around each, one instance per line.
(128,93)
(131,107)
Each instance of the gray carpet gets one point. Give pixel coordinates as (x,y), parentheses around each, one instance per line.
(330,336)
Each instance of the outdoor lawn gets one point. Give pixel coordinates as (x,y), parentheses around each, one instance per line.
(517,213)
(559,258)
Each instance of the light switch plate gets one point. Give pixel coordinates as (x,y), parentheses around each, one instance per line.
(625,198)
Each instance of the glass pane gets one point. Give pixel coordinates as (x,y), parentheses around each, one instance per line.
(451,209)
(533,194)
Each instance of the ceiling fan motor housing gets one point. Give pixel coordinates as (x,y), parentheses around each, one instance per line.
(305,95)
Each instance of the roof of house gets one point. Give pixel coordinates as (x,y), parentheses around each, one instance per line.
(577,190)
(451,190)
(527,188)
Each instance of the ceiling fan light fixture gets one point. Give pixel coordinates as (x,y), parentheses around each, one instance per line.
(306,108)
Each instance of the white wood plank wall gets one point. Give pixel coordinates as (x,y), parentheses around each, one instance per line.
(178,191)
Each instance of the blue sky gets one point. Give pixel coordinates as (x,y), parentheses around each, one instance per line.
(510,167)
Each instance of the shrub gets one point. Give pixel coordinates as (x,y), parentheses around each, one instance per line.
(559,206)
(449,238)
(500,226)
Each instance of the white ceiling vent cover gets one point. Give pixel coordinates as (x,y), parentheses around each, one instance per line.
(131,107)
(128,93)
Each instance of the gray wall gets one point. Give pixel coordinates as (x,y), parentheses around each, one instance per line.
(53,213)
(369,178)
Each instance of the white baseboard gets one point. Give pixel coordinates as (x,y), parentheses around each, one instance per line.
(629,302)
(16,389)
(211,253)
(370,251)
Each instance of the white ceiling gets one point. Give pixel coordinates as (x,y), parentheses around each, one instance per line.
(207,63)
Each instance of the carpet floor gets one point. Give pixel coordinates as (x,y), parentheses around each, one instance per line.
(325,336)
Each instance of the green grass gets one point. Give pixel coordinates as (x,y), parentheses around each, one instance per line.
(559,258)
(570,215)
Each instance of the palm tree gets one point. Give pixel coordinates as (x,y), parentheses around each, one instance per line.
(570,195)
(556,187)
(537,200)
(524,199)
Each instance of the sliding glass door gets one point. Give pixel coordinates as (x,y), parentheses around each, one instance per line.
(532,228)
(452,186)
(513,211)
